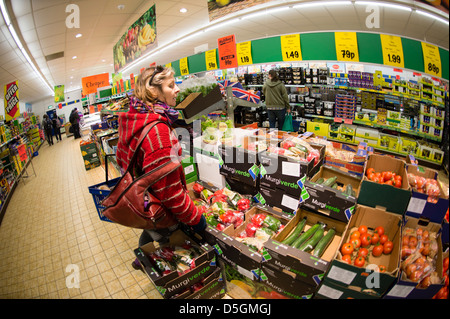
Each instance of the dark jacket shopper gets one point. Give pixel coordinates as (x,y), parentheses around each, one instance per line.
(57,128)
(74,120)
(277,100)
(154,95)
(47,127)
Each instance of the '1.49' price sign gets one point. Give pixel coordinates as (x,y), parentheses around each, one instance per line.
(290,47)
(346,46)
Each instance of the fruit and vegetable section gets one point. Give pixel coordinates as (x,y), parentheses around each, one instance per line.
(284,221)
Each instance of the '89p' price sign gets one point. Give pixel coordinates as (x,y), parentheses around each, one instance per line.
(432,59)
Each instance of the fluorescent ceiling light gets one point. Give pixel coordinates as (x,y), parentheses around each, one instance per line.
(384,4)
(426,14)
(183,10)
(322,3)
(74,57)
(79,35)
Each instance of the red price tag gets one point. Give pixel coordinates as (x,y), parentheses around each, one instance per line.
(22,152)
(348,121)
(338,120)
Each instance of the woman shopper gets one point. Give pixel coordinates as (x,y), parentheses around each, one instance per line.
(47,127)
(277,100)
(154,95)
(57,128)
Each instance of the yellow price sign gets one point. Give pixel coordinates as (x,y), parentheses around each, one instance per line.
(432,59)
(392,50)
(169,65)
(346,46)
(184,69)
(244,53)
(211,60)
(290,47)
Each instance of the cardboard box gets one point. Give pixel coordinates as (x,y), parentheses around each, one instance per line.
(275,197)
(320,129)
(368,141)
(354,166)
(366,279)
(307,268)
(195,103)
(240,164)
(330,290)
(189,167)
(419,205)
(173,283)
(327,200)
(405,288)
(372,194)
(89,148)
(213,288)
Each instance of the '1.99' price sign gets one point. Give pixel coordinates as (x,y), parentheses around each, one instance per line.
(346,46)
(432,59)
(290,47)
(392,50)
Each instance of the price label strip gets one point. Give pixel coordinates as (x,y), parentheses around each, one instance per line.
(290,47)
(432,59)
(184,69)
(211,60)
(244,53)
(346,46)
(392,50)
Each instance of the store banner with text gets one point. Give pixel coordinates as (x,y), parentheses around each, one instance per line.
(12,101)
(137,40)
(59,93)
(227,52)
(90,84)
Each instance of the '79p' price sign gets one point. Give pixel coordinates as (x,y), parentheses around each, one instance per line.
(346,46)
(432,59)
(290,47)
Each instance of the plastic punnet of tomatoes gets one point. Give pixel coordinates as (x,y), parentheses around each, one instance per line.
(371,244)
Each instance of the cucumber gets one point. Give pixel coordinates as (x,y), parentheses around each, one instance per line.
(320,181)
(302,148)
(330,181)
(335,186)
(324,242)
(312,242)
(298,229)
(305,236)
(348,190)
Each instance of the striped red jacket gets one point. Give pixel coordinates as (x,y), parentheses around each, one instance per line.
(159,147)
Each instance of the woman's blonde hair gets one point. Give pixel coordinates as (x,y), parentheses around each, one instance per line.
(152,77)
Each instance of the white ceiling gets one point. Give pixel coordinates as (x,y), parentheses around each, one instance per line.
(41,23)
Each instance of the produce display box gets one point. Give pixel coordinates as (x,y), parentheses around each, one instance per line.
(329,201)
(366,280)
(286,173)
(195,103)
(236,252)
(372,194)
(330,290)
(354,166)
(89,148)
(240,164)
(404,287)
(172,283)
(420,204)
(189,167)
(308,269)
(212,287)
(275,197)
(88,165)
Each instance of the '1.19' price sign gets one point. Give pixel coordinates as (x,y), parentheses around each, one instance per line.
(184,69)
(432,59)
(346,46)
(244,53)
(392,50)
(290,47)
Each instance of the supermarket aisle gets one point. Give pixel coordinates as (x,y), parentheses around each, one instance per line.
(51,223)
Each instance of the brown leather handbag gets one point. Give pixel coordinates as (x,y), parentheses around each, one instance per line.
(132,202)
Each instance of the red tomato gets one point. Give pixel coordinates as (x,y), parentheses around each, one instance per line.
(375,239)
(387,176)
(355,234)
(383,239)
(398,183)
(371,176)
(376,179)
(379,230)
(445,264)
(356,242)
(360,261)
(366,240)
(362,229)
(347,259)
(370,170)
(363,252)
(382,268)
(377,251)
(389,182)
(347,249)
(387,247)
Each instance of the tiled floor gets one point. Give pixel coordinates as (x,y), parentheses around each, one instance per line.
(51,229)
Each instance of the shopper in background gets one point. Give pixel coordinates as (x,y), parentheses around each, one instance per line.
(57,128)
(47,126)
(153,98)
(277,100)
(74,120)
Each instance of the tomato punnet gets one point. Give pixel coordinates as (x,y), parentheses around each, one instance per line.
(387,247)
(347,249)
(360,261)
(412,242)
(383,238)
(347,259)
(379,230)
(356,242)
(366,240)
(355,234)
(375,239)
(363,252)
(362,229)
(377,251)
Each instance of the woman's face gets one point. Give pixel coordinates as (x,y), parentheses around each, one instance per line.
(169,91)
